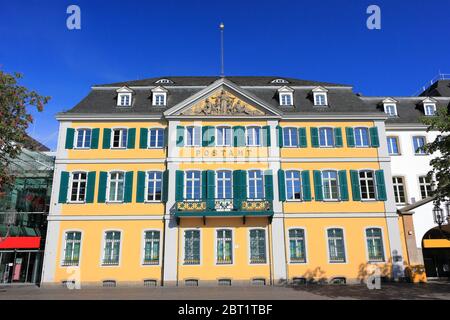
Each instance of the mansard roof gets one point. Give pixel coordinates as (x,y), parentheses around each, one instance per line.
(341,99)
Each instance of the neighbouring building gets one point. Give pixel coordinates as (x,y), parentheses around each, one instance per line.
(223,181)
(410,165)
(23,215)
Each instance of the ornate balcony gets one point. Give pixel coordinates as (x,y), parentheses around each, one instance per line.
(223,208)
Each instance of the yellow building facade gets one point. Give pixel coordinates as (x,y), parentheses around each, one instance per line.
(222,181)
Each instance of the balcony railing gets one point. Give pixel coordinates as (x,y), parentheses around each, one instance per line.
(224,207)
(68,263)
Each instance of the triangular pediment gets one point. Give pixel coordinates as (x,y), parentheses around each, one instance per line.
(223,98)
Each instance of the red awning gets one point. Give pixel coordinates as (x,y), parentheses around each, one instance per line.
(20,243)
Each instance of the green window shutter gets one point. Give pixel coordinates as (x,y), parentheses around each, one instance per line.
(356,191)
(281,185)
(143,138)
(268,184)
(211,136)
(166,137)
(266,136)
(165,187)
(179,182)
(204,184)
(243,185)
(140,194)
(318,192)
(306,186)
(338,137)
(381,186)
(236,189)
(131,138)
(70,134)
(350,133)
(95,137)
(180,136)
(90,188)
(343,185)
(302,141)
(314,137)
(211,192)
(103,178)
(106,138)
(205,136)
(280,136)
(374,140)
(128,187)
(63,187)
(239,136)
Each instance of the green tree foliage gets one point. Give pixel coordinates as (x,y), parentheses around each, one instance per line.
(15,103)
(441,145)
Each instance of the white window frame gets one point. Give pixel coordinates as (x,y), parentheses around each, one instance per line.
(154,185)
(123,144)
(216,251)
(159,99)
(223,182)
(108,186)
(333,138)
(279,80)
(292,182)
(426,109)
(256,184)
(104,242)
(337,185)
(305,242)
(157,138)
(124,95)
(194,135)
(200,247)
(223,142)
(328,246)
(290,144)
(361,137)
(382,243)
(420,152)
(396,185)
(251,130)
(286,99)
(396,138)
(164,81)
(250,248)
(78,187)
(317,101)
(394,107)
(424,184)
(366,183)
(64,248)
(83,139)
(144,242)
(192,180)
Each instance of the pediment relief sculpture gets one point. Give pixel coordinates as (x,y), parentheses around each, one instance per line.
(223,104)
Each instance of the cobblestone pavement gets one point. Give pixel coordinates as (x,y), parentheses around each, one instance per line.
(430,291)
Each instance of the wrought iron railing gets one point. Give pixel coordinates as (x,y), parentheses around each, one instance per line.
(224,205)
(68,263)
(257,260)
(110,262)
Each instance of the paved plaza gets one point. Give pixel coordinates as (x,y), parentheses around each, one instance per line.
(429,291)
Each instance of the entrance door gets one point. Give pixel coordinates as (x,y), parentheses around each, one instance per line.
(20,267)
(437,262)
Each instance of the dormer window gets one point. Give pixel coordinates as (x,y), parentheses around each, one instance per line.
(124,97)
(165,81)
(429,107)
(286,96)
(320,96)
(159,96)
(390,107)
(279,81)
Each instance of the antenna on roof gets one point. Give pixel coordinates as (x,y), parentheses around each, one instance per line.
(222,72)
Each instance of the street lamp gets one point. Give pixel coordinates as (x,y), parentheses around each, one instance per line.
(438,215)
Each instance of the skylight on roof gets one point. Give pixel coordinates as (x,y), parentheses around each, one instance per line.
(164,81)
(279,81)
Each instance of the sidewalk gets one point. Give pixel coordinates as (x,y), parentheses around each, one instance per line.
(430,291)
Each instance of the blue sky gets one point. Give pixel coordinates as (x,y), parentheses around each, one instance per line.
(315,40)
